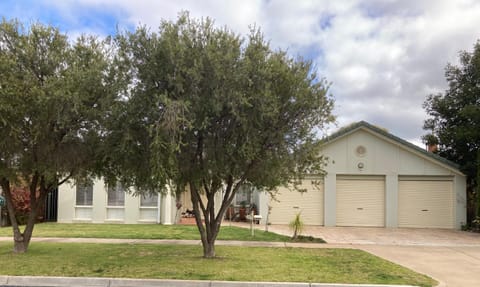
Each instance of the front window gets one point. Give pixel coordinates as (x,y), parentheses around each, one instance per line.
(84,193)
(116,195)
(149,200)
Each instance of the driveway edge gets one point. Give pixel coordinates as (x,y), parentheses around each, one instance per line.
(44,281)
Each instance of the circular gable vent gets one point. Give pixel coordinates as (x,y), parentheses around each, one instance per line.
(361,150)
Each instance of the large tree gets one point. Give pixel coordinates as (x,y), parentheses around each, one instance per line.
(455,121)
(208,111)
(53,92)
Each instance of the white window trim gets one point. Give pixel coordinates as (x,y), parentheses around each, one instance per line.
(76,194)
(148,207)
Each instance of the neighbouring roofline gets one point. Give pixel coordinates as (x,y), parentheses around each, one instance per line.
(401,142)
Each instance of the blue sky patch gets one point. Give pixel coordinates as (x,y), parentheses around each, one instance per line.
(101,19)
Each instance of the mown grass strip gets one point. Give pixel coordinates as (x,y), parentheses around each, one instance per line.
(185,262)
(143,231)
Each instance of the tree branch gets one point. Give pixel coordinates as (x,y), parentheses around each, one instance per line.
(65,179)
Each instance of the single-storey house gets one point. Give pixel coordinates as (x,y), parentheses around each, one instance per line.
(376,179)
(373,178)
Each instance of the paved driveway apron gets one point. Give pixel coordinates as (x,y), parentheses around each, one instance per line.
(453,266)
(451,257)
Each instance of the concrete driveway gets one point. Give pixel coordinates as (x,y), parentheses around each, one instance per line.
(451,266)
(449,256)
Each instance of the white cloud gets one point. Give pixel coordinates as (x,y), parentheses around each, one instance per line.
(402,52)
(383,57)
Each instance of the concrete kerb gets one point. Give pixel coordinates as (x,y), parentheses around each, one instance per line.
(55,281)
(33,281)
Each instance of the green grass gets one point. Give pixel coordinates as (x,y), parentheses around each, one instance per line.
(142,231)
(185,262)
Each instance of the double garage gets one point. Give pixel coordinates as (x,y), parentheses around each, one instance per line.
(430,196)
(423,202)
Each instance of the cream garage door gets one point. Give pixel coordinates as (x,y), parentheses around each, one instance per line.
(425,203)
(361,201)
(288,203)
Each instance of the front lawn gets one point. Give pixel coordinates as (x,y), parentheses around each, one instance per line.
(185,262)
(143,231)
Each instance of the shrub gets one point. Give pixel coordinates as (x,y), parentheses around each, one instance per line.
(296,225)
(21,203)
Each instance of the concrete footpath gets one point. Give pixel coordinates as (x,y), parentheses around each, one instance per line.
(184,242)
(17,281)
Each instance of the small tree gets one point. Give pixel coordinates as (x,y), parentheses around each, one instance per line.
(296,225)
(209,111)
(52,99)
(455,121)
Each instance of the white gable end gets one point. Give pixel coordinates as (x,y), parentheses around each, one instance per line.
(364,152)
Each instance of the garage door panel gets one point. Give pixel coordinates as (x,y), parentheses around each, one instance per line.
(290,202)
(360,201)
(425,203)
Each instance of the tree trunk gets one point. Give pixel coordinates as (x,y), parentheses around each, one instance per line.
(19,245)
(209,249)
(21,241)
(210,229)
(477,182)
(205,232)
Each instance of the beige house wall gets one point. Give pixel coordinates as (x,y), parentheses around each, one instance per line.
(288,202)
(131,213)
(384,156)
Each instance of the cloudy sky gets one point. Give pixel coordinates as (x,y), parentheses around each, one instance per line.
(383,57)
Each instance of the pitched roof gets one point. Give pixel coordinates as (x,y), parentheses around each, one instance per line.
(365,125)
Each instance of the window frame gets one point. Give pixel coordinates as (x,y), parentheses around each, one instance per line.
(150,196)
(118,188)
(84,186)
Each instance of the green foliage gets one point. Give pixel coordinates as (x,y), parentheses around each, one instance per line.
(430,139)
(211,110)
(455,120)
(53,96)
(296,225)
